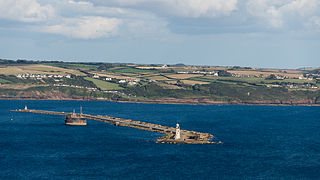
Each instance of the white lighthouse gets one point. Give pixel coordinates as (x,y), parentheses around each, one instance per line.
(177,136)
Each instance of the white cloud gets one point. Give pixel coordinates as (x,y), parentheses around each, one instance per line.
(281,13)
(25,10)
(80,19)
(181,8)
(92,19)
(201,8)
(87,27)
(71,7)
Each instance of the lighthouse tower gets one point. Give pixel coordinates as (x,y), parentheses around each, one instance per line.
(177,136)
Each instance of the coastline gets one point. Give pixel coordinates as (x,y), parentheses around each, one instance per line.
(171,101)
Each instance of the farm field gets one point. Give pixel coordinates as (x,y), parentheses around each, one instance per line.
(112,75)
(103,85)
(191,82)
(265,73)
(21,86)
(74,66)
(130,70)
(37,69)
(155,82)
(253,79)
(183,76)
(157,78)
(3,80)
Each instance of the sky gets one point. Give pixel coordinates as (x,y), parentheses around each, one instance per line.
(255,33)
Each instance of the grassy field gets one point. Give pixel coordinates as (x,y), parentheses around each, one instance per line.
(103,85)
(4,81)
(75,66)
(37,69)
(203,79)
(21,86)
(225,80)
(130,70)
(114,76)
(159,82)
(183,76)
(153,67)
(297,81)
(252,80)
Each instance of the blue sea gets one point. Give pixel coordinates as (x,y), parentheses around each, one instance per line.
(259,142)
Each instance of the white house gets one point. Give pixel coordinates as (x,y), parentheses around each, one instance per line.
(136,80)
(95,76)
(132,83)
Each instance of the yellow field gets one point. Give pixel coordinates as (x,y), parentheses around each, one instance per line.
(171,82)
(157,78)
(257,73)
(190,82)
(20,86)
(290,71)
(37,69)
(310,68)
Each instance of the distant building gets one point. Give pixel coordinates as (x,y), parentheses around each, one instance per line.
(136,80)
(108,79)
(96,76)
(122,81)
(132,83)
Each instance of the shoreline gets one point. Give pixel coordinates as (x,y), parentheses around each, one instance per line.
(169,101)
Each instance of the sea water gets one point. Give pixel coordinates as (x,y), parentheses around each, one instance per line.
(259,142)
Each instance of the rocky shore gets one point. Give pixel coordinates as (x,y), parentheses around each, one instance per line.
(167,101)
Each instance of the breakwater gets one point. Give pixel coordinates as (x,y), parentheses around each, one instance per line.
(185,136)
